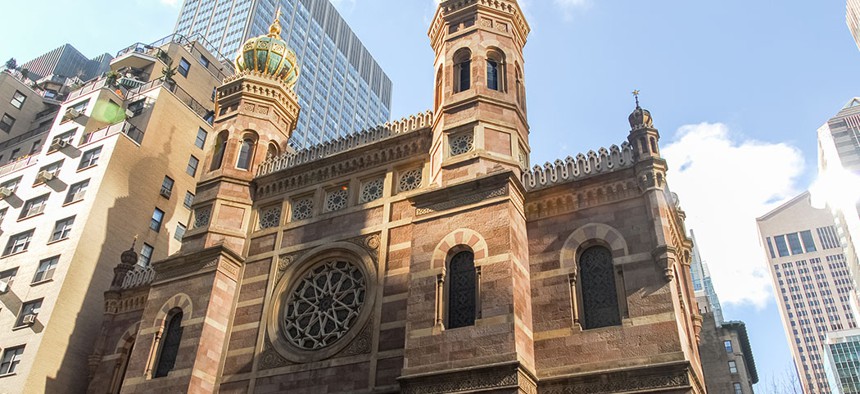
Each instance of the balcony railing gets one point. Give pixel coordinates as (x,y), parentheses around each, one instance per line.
(153,48)
(201,110)
(93,86)
(123,127)
(23,162)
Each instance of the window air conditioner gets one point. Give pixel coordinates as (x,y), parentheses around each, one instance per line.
(4,287)
(58,144)
(44,176)
(28,320)
(5,192)
(72,113)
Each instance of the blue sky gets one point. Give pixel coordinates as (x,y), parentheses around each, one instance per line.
(737,89)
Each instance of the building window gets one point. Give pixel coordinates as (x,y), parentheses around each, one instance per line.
(781,246)
(189,199)
(462,287)
(733,366)
(18,99)
(303,208)
(90,158)
(46,269)
(336,199)
(245,153)
(166,187)
(62,140)
(410,180)
(462,70)
(808,242)
(220,148)
(62,229)
(157,217)
(11,359)
(30,308)
(34,207)
(794,243)
(11,185)
(77,192)
(200,141)
(372,190)
(599,291)
(770,248)
(137,107)
(180,231)
(740,390)
(204,61)
(8,276)
(18,243)
(183,67)
(6,123)
(728,345)
(145,256)
(36,147)
(192,166)
(495,71)
(48,172)
(169,344)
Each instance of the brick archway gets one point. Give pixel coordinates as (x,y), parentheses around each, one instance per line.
(460,237)
(591,234)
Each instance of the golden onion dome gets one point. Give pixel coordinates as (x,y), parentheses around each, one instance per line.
(270,55)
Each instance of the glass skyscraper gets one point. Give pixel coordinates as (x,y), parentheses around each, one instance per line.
(341,87)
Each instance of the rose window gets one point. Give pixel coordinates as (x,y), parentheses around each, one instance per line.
(270,217)
(336,200)
(461,144)
(202,216)
(303,209)
(410,180)
(372,190)
(324,305)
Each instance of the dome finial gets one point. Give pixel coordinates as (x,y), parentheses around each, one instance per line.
(640,118)
(636,95)
(275,27)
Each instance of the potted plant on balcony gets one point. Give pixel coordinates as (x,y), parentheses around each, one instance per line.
(167,74)
(112,77)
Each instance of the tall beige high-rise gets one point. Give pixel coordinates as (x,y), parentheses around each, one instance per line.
(119,161)
(811,282)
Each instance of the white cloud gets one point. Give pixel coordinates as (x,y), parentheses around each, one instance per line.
(344,6)
(724,182)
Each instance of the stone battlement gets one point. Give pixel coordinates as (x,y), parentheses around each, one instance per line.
(342,144)
(582,166)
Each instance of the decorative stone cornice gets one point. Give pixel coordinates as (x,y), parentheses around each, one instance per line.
(453,8)
(672,377)
(580,198)
(489,378)
(583,166)
(219,257)
(252,84)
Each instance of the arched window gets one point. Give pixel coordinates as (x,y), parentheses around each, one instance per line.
(521,92)
(272,151)
(121,368)
(246,151)
(438,98)
(462,70)
(169,345)
(462,290)
(218,155)
(495,71)
(599,294)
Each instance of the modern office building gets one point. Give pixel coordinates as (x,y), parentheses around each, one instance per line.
(852,18)
(727,358)
(67,61)
(811,282)
(341,90)
(842,361)
(839,179)
(116,167)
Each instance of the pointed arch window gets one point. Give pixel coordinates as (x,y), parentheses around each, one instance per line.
(462,70)
(462,290)
(438,97)
(521,93)
(246,151)
(218,155)
(169,345)
(121,368)
(598,289)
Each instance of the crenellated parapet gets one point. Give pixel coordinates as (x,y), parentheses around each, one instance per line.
(582,166)
(450,9)
(345,143)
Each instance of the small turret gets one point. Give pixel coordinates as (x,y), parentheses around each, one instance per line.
(127,260)
(643,136)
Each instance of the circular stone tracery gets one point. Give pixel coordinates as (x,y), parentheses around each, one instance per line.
(324,305)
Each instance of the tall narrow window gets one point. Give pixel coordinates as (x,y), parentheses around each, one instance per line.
(272,151)
(461,290)
(462,70)
(599,294)
(495,71)
(191,169)
(11,359)
(438,96)
(169,345)
(218,155)
(200,141)
(183,67)
(145,255)
(245,153)
(155,221)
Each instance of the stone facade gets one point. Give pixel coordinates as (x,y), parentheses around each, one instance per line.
(330,270)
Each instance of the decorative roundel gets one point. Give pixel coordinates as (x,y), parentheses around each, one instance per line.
(461,144)
(410,180)
(372,190)
(324,304)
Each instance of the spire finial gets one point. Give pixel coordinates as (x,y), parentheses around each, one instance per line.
(275,27)
(134,241)
(636,95)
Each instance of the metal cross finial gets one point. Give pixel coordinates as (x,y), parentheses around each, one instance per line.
(134,241)
(636,95)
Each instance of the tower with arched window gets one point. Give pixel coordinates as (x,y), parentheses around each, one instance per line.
(480,114)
